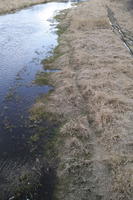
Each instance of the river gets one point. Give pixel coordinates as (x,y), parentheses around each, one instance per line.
(26,38)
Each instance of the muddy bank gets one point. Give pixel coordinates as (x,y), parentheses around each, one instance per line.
(93,94)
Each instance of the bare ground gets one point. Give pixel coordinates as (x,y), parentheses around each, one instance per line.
(94,94)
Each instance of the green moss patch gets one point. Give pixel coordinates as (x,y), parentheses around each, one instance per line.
(48,63)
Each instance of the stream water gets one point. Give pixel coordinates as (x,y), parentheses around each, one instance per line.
(26,37)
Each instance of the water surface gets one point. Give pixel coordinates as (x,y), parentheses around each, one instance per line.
(26,37)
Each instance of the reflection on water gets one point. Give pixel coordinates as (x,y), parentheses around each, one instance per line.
(26,38)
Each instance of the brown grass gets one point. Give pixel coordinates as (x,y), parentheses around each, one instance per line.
(93,93)
(12,5)
(81,22)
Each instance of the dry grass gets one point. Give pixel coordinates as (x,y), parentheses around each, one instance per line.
(93,92)
(12,5)
(82,23)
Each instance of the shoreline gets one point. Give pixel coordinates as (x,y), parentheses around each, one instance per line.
(25,168)
(7,7)
(93,94)
(84,125)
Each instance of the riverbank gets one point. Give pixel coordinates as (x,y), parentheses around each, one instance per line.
(27,37)
(93,94)
(13,5)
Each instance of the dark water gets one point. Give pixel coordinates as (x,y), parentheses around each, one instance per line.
(26,38)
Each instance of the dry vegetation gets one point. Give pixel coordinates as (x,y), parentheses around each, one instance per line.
(12,5)
(94,94)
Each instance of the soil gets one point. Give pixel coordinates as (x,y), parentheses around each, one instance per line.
(94,94)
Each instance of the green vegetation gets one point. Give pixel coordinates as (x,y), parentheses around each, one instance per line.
(34,138)
(61,28)
(43,78)
(28,184)
(47,128)
(10,95)
(48,63)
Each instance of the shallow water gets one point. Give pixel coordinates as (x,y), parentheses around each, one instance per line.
(26,37)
